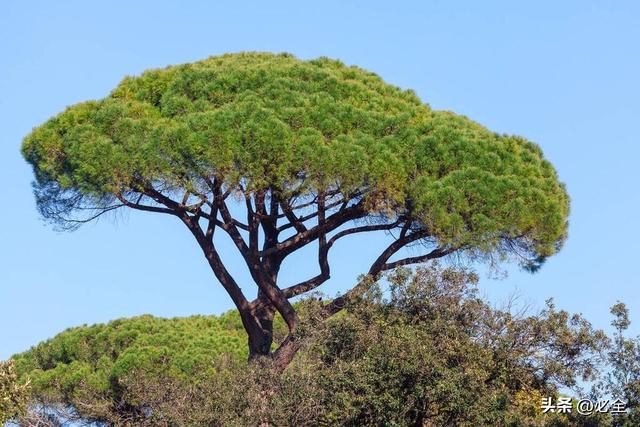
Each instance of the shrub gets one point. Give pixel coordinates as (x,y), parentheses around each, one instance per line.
(417,349)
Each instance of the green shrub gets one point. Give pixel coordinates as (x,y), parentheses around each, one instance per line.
(423,351)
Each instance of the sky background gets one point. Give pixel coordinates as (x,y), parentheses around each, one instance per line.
(563,74)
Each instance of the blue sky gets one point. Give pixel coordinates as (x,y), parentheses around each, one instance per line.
(563,74)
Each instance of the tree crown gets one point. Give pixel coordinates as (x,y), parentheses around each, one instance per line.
(253,123)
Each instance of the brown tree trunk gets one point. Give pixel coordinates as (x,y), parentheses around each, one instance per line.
(260,329)
(260,336)
(285,353)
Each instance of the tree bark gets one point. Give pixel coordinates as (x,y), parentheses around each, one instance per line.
(285,353)
(260,329)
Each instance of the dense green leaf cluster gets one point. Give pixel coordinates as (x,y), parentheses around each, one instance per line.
(272,121)
(85,364)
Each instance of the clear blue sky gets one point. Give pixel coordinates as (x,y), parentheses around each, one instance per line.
(562,73)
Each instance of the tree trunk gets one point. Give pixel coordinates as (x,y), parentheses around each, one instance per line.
(260,336)
(285,353)
(260,329)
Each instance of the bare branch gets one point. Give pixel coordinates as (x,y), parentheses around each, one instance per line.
(216,264)
(337,304)
(436,253)
(394,247)
(324,274)
(301,220)
(362,229)
(294,221)
(141,207)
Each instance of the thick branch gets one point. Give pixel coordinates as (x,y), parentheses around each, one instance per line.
(301,220)
(211,225)
(294,221)
(325,273)
(394,247)
(141,207)
(229,223)
(381,264)
(217,265)
(252,221)
(301,239)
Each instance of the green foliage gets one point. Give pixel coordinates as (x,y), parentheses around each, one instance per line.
(14,394)
(272,121)
(427,352)
(84,366)
(622,380)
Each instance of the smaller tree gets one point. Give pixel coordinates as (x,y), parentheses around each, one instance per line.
(622,381)
(85,368)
